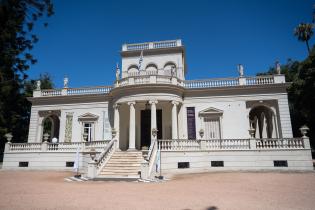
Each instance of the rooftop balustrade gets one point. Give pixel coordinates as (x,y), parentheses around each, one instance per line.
(165,77)
(152,45)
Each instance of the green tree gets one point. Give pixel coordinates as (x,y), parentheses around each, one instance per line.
(17,18)
(301,93)
(304,32)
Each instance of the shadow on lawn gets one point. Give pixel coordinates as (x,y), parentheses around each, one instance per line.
(208,208)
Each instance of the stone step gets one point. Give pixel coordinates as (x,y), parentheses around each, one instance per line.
(117,178)
(125,156)
(118,174)
(128,158)
(121,169)
(123,164)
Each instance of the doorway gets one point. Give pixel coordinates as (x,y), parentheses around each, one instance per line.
(146,127)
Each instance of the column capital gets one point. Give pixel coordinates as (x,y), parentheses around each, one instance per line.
(116,106)
(153,101)
(175,102)
(131,103)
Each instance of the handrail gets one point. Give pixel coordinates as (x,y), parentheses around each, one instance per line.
(105,155)
(152,156)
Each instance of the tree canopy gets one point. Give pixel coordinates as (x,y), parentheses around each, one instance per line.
(17,19)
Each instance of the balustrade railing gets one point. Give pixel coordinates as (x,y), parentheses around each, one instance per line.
(165,44)
(260,80)
(165,72)
(58,147)
(152,45)
(179,145)
(51,92)
(89,90)
(25,147)
(285,143)
(105,155)
(208,83)
(230,144)
(227,144)
(166,76)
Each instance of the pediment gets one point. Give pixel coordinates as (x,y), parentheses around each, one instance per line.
(88,117)
(211,111)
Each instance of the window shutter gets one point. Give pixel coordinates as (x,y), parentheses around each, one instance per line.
(191,123)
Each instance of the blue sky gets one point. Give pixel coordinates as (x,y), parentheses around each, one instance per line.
(84,38)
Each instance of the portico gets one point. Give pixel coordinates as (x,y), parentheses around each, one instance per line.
(135,120)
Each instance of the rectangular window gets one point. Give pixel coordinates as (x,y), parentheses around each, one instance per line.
(69,164)
(87,131)
(212,128)
(191,123)
(23,164)
(183,165)
(217,164)
(280,163)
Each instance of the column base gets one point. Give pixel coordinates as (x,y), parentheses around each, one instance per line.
(132,150)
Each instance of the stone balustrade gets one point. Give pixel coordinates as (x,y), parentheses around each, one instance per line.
(260,80)
(164,77)
(57,147)
(25,147)
(231,144)
(208,83)
(285,143)
(152,45)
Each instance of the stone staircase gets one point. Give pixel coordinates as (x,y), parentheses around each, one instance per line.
(122,165)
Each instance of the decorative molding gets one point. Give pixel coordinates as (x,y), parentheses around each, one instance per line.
(46,113)
(88,117)
(211,111)
(68,130)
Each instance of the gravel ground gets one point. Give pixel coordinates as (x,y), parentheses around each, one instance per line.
(211,191)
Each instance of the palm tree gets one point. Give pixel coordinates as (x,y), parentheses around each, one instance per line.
(304,32)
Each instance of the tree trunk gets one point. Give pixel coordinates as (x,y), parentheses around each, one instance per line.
(308,47)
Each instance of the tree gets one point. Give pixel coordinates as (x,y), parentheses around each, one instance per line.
(304,31)
(301,93)
(17,19)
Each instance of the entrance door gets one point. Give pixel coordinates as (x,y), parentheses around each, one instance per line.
(146,126)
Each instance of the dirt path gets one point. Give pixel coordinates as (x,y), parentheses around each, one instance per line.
(212,191)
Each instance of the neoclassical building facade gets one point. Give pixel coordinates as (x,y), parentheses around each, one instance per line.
(152,119)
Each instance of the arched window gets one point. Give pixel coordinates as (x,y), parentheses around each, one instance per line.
(170,68)
(151,69)
(133,70)
(51,126)
(263,120)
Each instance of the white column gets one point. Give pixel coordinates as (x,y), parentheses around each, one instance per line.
(116,122)
(153,116)
(40,129)
(132,126)
(174,120)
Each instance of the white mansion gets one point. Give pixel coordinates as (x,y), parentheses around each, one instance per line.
(153,120)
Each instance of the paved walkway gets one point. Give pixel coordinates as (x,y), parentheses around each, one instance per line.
(212,191)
